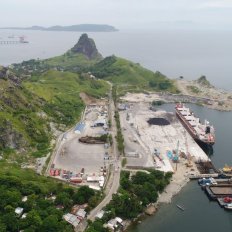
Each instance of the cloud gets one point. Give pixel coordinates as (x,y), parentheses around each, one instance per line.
(217,4)
(119,13)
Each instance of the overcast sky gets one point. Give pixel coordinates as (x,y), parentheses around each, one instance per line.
(123,14)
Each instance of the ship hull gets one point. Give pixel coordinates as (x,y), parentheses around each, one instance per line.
(190,130)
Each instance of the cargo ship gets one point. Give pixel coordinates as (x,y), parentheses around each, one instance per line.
(203,134)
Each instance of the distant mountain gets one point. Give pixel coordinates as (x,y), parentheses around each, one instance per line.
(80,27)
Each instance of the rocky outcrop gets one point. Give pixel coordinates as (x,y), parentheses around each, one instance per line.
(10,138)
(87,47)
(6,74)
(203,81)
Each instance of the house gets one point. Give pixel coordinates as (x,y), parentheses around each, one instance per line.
(115,223)
(24,216)
(19,211)
(100,214)
(81,213)
(72,219)
(112,224)
(24,199)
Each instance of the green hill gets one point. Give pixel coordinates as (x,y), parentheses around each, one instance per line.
(82,56)
(29,106)
(21,126)
(130,76)
(61,91)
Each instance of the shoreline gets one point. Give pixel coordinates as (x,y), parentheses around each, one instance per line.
(179,180)
(174,98)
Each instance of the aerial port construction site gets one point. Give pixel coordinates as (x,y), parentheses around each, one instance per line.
(84,154)
(153,138)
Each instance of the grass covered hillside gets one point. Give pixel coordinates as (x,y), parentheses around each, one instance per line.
(83,55)
(61,92)
(21,127)
(29,106)
(69,61)
(130,76)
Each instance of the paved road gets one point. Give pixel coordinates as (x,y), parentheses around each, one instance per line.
(59,143)
(113,182)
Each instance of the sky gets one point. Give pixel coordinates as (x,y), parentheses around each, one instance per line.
(123,14)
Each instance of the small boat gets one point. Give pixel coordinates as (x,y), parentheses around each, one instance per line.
(228,206)
(180,207)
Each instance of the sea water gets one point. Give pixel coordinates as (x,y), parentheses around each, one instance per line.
(173,52)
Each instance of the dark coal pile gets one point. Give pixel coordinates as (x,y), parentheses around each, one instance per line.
(158,121)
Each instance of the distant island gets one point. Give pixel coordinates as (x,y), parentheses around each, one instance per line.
(79,27)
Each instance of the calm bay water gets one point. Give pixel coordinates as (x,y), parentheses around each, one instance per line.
(174,53)
(200,214)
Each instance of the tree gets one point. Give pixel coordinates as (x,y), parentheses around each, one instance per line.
(2,227)
(11,221)
(50,224)
(83,195)
(33,218)
(63,199)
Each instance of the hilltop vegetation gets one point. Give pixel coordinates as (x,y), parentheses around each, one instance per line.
(78,59)
(61,91)
(130,76)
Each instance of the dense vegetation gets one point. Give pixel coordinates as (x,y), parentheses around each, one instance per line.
(136,192)
(130,76)
(41,209)
(119,137)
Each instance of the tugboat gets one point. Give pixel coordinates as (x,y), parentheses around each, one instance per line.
(201,133)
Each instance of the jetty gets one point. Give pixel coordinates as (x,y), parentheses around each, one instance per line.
(20,41)
(218,191)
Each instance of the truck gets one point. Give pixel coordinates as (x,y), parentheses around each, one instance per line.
(76,180)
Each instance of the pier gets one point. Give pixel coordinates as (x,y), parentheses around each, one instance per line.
(9,42)
(20,41)
(218,191)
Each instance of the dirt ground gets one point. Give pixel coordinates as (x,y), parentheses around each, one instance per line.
(220,99)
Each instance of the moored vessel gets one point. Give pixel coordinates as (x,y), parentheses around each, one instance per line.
(201,133)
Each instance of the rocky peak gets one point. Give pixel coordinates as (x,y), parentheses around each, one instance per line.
(87,47)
